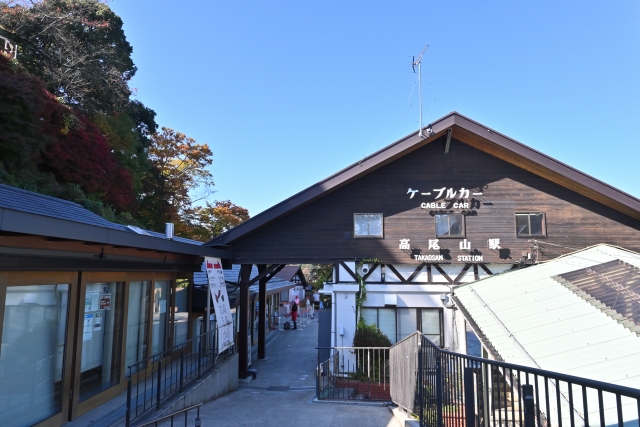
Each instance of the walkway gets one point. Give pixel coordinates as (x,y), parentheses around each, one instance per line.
(282,394)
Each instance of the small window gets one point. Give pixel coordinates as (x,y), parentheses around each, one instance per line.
(450,225)
(530,224)
(367,225)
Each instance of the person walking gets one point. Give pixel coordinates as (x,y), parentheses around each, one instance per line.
(294,313)
(309,307)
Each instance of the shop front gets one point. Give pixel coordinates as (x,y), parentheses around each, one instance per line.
(75,313)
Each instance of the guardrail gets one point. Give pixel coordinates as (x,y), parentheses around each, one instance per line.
(453,389)
(171,417)
(353,373)
(152,380)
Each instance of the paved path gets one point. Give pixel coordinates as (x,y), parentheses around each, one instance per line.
(282,394)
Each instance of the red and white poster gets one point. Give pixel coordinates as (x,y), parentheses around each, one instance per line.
(220,300)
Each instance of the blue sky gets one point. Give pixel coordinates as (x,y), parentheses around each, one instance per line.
(287,93)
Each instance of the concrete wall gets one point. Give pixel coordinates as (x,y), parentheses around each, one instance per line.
(222,380)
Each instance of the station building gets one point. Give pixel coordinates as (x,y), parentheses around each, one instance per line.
(458,204)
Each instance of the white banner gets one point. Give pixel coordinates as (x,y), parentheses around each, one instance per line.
(220,300)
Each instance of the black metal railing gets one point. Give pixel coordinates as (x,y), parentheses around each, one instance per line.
(171,418)
(457,390)
(353,373)
(154,379)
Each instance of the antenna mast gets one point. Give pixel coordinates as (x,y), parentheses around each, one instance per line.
(418,62)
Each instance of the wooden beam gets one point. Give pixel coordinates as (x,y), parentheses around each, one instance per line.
(262,312)
(243,312)
(366,276)
(446,146)
(462,273)
(486,269)
(346,267)
(264,273)
(446,276)
(392,268)
(416,272)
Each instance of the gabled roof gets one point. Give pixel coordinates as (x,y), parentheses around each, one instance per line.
(555,316)
(467,131)
(292,273)
(26,212)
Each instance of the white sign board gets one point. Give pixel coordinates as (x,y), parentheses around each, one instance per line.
(87,330)
(220,302)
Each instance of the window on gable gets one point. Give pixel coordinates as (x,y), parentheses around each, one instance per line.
(450,225)
(531,224)
(367,225)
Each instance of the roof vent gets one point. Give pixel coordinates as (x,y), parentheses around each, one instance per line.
(168,230)
(137,230)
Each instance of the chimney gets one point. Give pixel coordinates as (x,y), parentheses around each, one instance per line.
(168,230)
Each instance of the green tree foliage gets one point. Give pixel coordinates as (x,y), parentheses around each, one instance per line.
(369,336)
(77,47)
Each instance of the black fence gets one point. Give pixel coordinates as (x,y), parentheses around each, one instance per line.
(457,390)
(156,378)
(353,373)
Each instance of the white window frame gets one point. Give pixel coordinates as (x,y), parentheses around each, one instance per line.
(368,236)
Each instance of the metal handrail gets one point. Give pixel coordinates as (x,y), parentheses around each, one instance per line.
(453,389)
(174,349)
(606,387)
(157,420)
(167,377)
(353,373)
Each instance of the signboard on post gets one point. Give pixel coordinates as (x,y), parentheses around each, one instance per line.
(220,302)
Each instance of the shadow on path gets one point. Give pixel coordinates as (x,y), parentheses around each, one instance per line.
(282,394)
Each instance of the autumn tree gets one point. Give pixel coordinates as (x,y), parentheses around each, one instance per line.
(216,218)
(182,163)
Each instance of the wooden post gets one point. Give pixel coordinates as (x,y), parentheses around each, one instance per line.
(243,313)
(262,312)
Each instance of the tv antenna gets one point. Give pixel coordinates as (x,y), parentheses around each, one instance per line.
(417,62)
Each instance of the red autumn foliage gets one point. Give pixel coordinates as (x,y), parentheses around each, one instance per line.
(82,155)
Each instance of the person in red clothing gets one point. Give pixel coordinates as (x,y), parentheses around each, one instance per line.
(294,313)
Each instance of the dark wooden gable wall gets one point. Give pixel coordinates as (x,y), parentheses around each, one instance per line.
(322,231)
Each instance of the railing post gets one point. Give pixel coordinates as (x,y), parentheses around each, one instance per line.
(420,381)
(318,376)
(181,370)
(529,405)
(128,414)
(439,390)
(159,381)
(469,398)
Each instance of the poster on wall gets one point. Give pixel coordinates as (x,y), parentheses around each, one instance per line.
(105,302)
(220,302)
(87,331)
